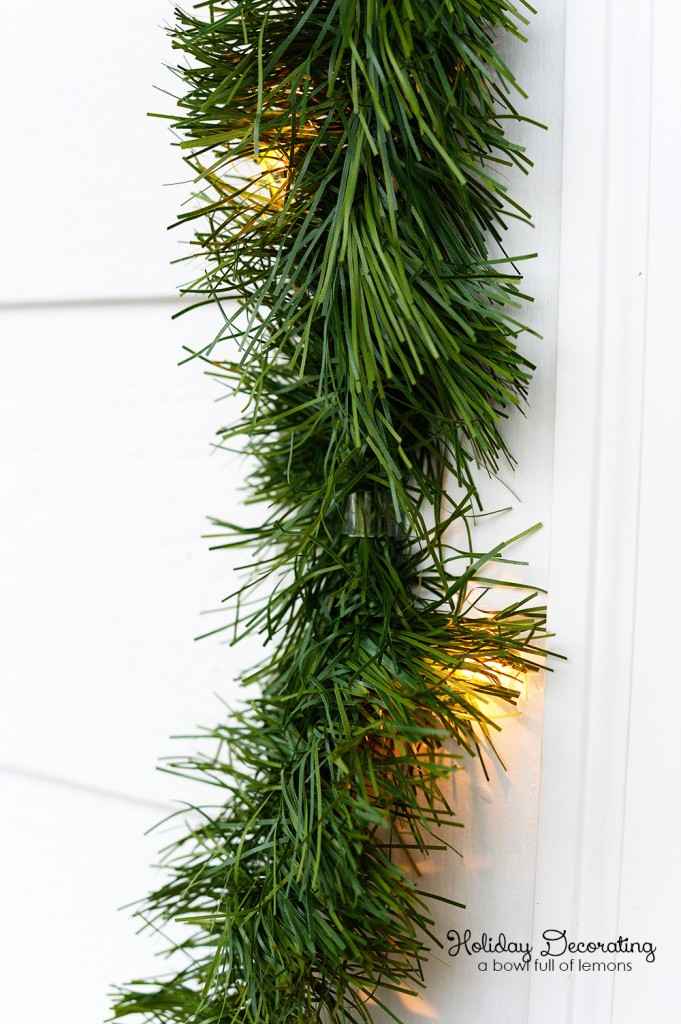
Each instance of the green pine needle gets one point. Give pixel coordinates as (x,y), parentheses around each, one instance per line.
(349,161)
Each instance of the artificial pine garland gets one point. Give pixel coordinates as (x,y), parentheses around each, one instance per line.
(350,157)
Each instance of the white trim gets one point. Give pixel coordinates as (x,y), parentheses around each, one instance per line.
(601,352)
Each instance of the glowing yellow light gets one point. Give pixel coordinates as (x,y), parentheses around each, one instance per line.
(256,185)
(418,1005)
(269,174)
(485,673)
(479,674)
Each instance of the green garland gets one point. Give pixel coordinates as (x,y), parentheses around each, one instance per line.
(350,157)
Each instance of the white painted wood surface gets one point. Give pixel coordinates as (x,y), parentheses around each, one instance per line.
(107,482)
(649,888)
(70,859)
(107,479)
(609,823)
(84,210)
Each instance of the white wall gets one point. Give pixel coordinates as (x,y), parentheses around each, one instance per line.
(107,480)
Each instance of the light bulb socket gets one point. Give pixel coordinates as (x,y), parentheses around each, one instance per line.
(367,514)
